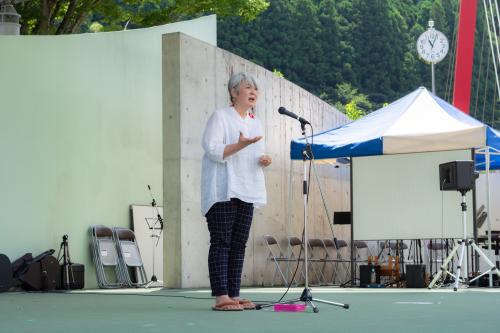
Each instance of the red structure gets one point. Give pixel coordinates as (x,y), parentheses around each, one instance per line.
(465,55)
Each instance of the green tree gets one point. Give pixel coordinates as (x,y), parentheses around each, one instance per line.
(69,16)
(352,111)
(380,41)
(352,102)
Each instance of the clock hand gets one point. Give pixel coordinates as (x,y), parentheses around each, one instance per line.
(434,41)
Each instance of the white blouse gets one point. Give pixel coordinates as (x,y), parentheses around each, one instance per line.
(239,175)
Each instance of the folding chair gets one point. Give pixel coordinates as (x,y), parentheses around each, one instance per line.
(316,245)
(130,257)
(481,217)
(293,243)
(104,255)
(333,248)
(359,248)
(438,250)
(388,248)
(277,256)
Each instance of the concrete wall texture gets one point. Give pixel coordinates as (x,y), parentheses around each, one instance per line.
(80,134)
(195,76)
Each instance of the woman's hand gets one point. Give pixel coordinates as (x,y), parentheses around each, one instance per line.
(265,160)
(243,141)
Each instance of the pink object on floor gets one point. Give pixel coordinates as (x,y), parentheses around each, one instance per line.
(289,307)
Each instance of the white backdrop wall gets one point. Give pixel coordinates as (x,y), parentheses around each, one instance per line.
(399,197)
(80,134)
(494,212)
(195,76)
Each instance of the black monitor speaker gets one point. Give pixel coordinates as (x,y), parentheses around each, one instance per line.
(341,217)
(415,276)
(457,176)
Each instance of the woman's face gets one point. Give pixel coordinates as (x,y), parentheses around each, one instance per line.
(246,96)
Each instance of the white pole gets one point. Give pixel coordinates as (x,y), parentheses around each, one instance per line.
(488,212)
(433,80)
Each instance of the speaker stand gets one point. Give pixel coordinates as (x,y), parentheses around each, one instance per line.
(461,246)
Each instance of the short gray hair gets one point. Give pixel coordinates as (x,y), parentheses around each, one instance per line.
(236,79)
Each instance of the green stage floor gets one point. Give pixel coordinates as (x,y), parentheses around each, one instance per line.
(166,310)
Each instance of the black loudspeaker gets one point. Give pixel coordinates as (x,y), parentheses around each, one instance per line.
(457,176)
(341,217)
(5,273)
(364,275)
(415,276)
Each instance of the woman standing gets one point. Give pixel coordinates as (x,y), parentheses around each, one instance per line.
(232,185)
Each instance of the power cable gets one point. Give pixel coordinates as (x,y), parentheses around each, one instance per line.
(126,294)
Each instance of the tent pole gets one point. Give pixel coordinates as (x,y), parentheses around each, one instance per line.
(487,160)
(353,272)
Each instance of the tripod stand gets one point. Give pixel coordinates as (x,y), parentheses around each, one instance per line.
(66,263)
(306,295)
(155,224)
(461,245)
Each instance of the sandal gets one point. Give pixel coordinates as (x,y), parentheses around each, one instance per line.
(247,304)
(228,306)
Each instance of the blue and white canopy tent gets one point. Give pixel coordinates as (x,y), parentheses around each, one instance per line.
(417,122)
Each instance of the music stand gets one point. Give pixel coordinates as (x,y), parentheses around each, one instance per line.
(155,225)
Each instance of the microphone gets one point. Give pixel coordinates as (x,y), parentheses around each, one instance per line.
(290,114)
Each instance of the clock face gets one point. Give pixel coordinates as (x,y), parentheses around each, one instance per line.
(432,46)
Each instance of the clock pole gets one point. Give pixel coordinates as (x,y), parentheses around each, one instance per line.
(431,27)
(433,80)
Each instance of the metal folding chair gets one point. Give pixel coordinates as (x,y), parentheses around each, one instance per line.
(105,256)
(130,257)
(293,244)
(277,256)
(359,256)
(390,248)
(438,250)
(317,257)
(333,248)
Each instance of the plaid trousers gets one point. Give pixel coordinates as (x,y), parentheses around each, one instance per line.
(229,226)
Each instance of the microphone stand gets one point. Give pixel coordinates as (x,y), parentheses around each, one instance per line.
(306,295)
(153,227)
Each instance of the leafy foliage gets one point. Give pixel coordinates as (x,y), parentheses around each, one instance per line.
(73,16)
(352,111)
(360,53)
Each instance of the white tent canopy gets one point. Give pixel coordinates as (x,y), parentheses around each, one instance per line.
(417,122)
